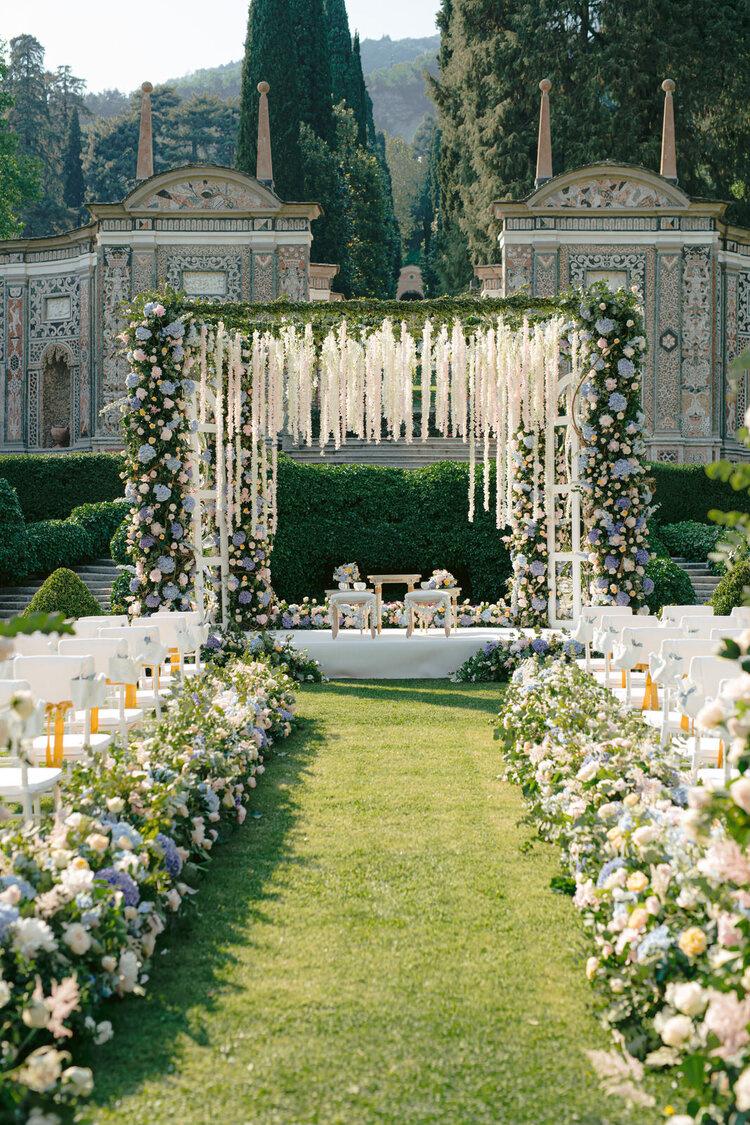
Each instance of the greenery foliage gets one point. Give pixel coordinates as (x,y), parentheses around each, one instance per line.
(58,543)
(672,586)
(64,592)
(693,492)
(690,540)
(50,486)
(101,521)
(18,173)
(732,588)
(15,556)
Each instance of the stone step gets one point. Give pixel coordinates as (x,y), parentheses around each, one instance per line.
(98,575)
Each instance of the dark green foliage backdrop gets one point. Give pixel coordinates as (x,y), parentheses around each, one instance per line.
(387,520)
(14,540)
(684,492)
(50,486)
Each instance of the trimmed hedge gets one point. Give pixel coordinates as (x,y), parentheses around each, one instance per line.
(672,585)
(386,520)
(64,592)
(15,556)
(55,543)
(730,591)
(684,492)
(100,521)
(50,485)
(690,540)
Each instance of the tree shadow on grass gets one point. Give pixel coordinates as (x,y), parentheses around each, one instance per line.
(193,959)
(439,693)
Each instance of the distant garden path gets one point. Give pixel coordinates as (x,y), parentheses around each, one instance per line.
(374,948)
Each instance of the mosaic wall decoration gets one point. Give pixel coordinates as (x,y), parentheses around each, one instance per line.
(517,263)
(264,277)
(206,194)
(697,332)
(114,290)
(49,300)
(608,191)
(82,392)
(667,343)
(174,262)
(545,274)
(14,366)
(294,263)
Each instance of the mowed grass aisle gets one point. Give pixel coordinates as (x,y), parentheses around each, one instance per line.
(376,947)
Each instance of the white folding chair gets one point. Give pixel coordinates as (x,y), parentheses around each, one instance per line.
(591,616)
(102,651)
(51,679)
(633,651)
(673,614)
(90,626)
(21,783)
(668,668)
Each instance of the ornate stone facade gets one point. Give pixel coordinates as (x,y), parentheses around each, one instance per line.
(213,232)
(627,226)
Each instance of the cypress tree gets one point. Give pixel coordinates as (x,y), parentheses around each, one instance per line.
(74,187)
(270,32)
(313,66)
(325,184)
(343,86)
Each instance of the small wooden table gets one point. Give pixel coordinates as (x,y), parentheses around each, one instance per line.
(366,599)
(381,580)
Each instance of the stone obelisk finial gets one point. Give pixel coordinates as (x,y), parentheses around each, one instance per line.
(145,166)
(668,167)
(264,170)
(544,144)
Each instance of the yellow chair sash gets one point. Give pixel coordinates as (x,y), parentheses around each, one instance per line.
(650,695)
(54,756)
(94,720)
(685,724)
(174,657)
(131,698)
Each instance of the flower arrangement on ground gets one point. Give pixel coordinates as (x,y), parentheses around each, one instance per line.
(660,872)
(84,899)
(221,646)
(497,660)
(309,614)
(345,574)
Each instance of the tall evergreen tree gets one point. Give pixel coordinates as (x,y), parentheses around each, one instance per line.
(325,184)
(369,249)
(18,174)
(343,87)
(270,36)
(74,187)
(313,66)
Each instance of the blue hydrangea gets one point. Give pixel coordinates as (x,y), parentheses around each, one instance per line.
(622,469)
(172,860)
(626,368)
(153,601)
(26,889)
(121,881)
(122,828)
(245,597)
(648,586)
(594,535)
(537,568)
(8,915)
(609,868)
(162,493)
(173,464)
(611,563)
(176,330)
(148,308)
(247,563)
(642,556)
(132,380)
(233,583)
(602,583)
(540,646)
(264,598)
(178,352)
(134,585)
(238,538)
(539,604)
(189,503)
(188,386)
(617,401)
(165,564)
(170,591)
(168,387)
(654,942)
(146,542)
(146,453)
(142,333)
(623,503)
(622,598)
(604,326)
(177,530)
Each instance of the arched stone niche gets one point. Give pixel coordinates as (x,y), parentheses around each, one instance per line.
(56,398)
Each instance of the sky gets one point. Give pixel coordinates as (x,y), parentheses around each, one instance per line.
(165,40)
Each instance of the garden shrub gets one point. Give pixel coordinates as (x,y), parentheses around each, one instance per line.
(730,591)
(118,547)
(15,556)
(64,592)
(690,540)
(51,485)
(656,545)
(120,587)
(672,586)
(101,521)
(56,543)
(685,492)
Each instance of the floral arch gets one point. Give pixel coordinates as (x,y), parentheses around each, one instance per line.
(545,393)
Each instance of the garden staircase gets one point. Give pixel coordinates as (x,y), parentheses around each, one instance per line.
(98,576)
(702,577)
(395,454)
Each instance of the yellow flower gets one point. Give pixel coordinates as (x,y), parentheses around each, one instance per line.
(692,941)
(637,882)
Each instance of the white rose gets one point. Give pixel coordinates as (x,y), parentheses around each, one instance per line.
(677,1031)
(742,1090)
(115,805)
(128,970)
(77,938)
(587,771)
(688,998)
(36,1013)
(646,834)
(739,791)
(80,1078)
(23,704)
(109,964)
(711,715)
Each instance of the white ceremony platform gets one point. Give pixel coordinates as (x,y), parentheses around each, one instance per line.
(426,655)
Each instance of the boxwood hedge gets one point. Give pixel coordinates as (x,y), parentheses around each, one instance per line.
(51,485)
(15,557)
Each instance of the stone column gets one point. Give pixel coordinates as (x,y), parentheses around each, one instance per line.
(544,143)
(145,166)
(668,167)
(264,167)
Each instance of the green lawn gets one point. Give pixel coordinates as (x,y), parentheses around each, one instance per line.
(376,947)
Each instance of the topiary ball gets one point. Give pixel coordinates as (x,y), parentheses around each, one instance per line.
(64,592)
(730,591)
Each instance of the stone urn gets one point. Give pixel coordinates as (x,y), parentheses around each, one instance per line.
(60,436)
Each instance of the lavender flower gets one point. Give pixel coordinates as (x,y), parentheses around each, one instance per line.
(121,881)
(172,860)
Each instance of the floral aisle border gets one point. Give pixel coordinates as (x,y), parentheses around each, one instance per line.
(496,386)
(82,901)
(661,874)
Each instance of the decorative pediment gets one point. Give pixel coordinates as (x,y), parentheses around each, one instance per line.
(609,187)
(202,188)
